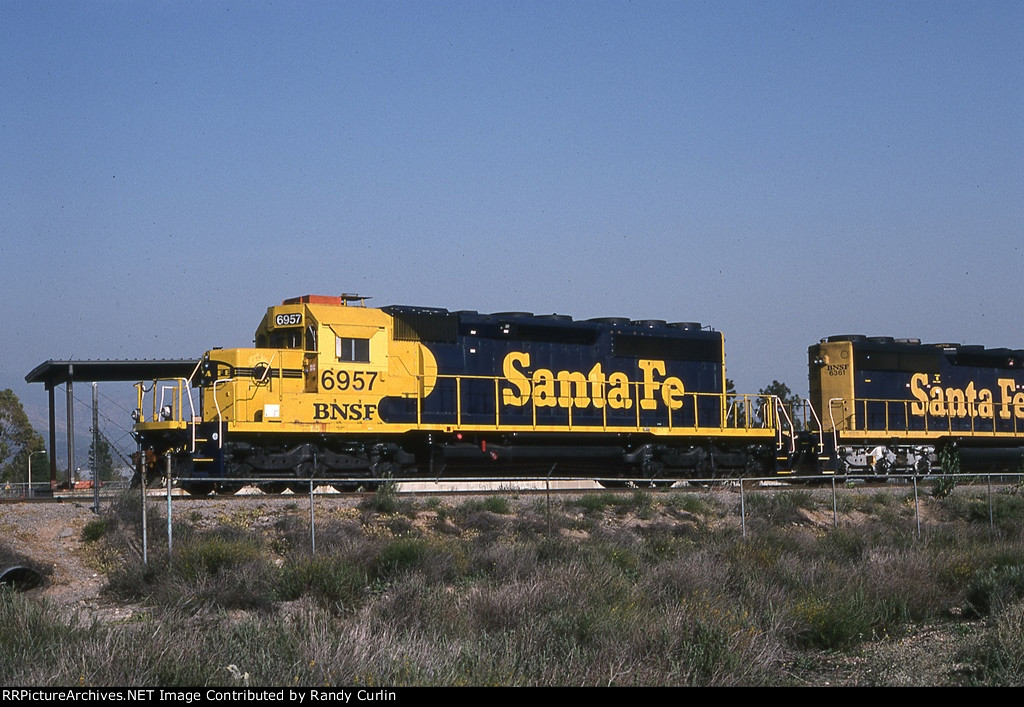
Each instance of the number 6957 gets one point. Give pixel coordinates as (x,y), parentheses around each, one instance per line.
(347,380)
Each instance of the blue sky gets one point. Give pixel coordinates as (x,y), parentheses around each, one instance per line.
(781,171)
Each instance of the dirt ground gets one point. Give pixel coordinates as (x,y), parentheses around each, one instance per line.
(49,538)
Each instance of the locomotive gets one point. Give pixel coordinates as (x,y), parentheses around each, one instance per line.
(334,389)
(897,406)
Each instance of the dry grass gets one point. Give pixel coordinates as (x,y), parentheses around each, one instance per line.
(643,588)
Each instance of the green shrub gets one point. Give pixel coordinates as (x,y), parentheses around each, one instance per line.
(949,464)
(998,657)
(399,555)
(642,504)
(386,499)
(832,621)
(213,553)
(595,502)
(497,504)
(690,503)
(334,580)
(780,507)
(96,529)
(491,504)
(991,589)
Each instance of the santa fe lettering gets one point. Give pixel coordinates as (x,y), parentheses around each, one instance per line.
(546,388)
(970,401)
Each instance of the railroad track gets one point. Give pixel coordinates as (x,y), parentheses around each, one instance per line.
(533,485)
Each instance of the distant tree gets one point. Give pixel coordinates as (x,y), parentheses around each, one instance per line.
(100,460)
(789,400)
(780,390)
(17,439)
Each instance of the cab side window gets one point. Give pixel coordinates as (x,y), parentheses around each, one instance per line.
(355,350)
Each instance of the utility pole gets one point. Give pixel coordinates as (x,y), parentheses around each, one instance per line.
(95,450)
(69,389)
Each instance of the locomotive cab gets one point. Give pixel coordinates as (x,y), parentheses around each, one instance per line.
(316,361)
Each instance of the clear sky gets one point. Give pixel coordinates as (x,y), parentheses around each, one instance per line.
(781,171)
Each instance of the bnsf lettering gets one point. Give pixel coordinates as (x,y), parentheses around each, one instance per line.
(546,388)
(970,401)
(343,411)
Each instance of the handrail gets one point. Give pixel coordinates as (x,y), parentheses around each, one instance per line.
(180,384)
(688,402)
(832,419)
(779,407)
(950,422)
(687,412)
(220,416)
(821,435)
(192,375)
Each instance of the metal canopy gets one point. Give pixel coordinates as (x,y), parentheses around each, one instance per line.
(54,373)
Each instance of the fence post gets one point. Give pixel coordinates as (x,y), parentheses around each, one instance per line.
(170,534)
(991,518)
(835,507)
(547,486)
(95,449)
(142,486)
(743,510)
(312,524)
(917,511)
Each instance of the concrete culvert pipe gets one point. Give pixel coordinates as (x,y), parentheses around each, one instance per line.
(20,578)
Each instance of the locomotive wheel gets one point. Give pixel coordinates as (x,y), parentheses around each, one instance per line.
(272,487)
(348,487)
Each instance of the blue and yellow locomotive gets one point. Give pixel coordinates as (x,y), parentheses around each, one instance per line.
(335,389)
(898,406)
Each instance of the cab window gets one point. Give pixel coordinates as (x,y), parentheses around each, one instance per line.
(286,338)
(356,350)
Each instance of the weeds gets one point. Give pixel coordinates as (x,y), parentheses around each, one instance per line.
(596,502)
(491,504)
(999,654)
(995,588)
(96,529)
(385,499)
(949,461)
(671,600)
(780,507)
